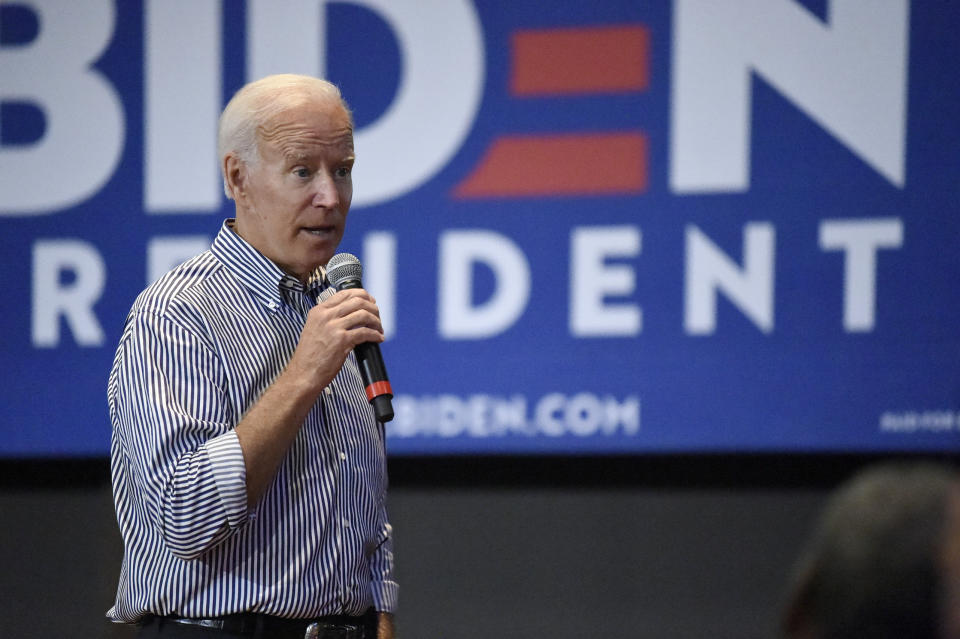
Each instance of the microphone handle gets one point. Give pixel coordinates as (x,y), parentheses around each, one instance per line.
(375,380)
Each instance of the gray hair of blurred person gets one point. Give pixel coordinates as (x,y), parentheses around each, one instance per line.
(257,103)
(873,568)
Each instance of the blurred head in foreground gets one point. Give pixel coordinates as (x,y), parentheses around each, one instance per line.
(884,560)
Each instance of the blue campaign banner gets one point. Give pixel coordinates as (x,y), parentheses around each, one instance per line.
(592,227)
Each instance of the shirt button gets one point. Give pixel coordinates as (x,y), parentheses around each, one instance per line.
(346,523)
(328,390)
(343,455)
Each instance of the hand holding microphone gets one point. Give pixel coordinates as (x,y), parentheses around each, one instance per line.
(344,271)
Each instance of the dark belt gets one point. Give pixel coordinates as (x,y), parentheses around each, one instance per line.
(253,625)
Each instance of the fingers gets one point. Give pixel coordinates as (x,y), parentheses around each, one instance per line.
(353,311)
(345,302)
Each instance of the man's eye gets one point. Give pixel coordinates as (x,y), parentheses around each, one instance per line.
(302,173)
(343,171)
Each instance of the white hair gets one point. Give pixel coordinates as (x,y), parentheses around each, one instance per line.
(253,107)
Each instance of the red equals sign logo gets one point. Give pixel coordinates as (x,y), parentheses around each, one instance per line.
(567,62)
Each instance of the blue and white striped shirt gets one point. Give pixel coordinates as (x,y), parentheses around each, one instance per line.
(198,349)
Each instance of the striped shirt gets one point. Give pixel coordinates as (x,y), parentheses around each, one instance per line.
(198,349)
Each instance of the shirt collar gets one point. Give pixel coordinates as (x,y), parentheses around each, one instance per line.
(256,272)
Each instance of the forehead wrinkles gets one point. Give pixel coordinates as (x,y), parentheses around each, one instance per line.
(297,139)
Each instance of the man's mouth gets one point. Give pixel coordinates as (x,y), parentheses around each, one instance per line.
(318,230)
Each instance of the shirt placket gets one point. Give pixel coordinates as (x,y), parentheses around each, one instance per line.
(337,453)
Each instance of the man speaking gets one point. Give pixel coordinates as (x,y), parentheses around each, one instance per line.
(249,471)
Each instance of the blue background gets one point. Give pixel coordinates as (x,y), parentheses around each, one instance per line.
(807,386)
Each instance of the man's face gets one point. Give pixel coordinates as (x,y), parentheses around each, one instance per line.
(294,200)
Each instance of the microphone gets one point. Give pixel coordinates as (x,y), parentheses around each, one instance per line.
(344,271)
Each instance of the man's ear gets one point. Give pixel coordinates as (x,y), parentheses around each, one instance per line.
(235,175)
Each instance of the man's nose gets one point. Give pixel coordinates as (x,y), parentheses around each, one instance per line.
(325,193)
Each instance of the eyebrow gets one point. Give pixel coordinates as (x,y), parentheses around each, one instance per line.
(296,157)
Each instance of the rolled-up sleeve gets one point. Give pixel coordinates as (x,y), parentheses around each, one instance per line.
(383,583)
(175,426)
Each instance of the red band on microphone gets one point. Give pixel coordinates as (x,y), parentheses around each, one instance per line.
(378,388)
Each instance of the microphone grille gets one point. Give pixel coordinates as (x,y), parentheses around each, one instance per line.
(344,267)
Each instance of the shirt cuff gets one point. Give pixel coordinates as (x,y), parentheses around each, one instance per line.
(385,596)
(229,475)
